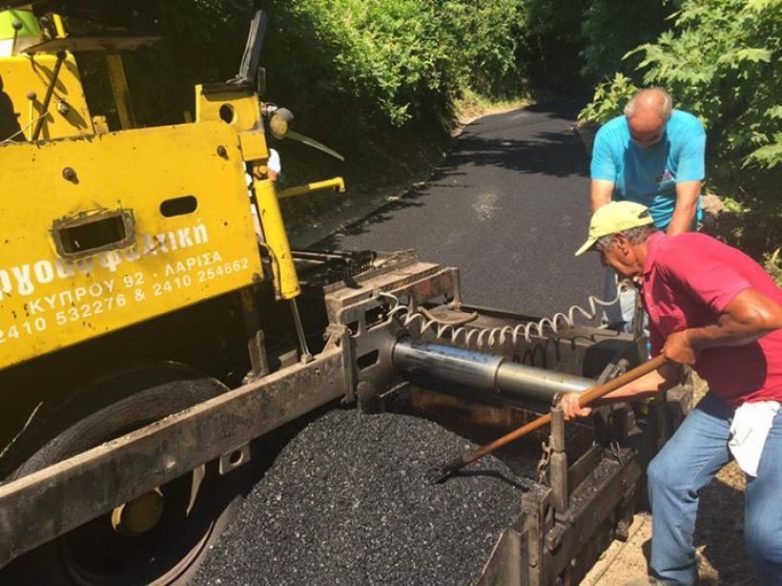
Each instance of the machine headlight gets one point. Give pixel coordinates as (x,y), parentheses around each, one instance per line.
(279,123)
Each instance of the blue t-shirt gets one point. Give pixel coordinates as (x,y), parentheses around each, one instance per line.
(649,176)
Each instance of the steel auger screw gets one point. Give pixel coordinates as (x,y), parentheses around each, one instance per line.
(69,174)
(222,152)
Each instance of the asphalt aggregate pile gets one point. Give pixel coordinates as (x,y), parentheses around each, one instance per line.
(349,501)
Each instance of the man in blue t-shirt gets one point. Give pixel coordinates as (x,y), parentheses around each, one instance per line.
(653,155)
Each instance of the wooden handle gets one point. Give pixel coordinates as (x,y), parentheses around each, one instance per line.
(585,398)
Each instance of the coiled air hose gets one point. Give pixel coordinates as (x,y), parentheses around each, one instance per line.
(454,330)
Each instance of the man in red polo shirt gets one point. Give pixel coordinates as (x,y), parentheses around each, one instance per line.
(712,307)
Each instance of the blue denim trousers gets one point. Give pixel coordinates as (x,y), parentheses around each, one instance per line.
(618,316)
(687,463)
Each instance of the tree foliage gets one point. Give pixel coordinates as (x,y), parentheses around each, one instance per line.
(610,29)
(722,60)
(608,101)
(396,60)
(388,61)
(550,44)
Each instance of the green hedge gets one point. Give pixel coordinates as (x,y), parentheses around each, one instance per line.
(364,76)
(391,61)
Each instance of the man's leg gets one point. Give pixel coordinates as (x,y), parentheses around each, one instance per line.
(619,316)
(763,513)
(628,299)
(687,463)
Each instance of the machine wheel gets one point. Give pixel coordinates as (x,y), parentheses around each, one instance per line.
(159,538)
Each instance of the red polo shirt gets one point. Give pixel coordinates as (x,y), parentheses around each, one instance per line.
(687,282)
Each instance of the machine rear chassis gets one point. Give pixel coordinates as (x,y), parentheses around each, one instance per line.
(581,491)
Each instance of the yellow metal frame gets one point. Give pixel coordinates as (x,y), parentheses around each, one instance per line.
(336,183)
(108,234)
(243,111)
(119,87)
(25,79)
(181,254)
(286,279)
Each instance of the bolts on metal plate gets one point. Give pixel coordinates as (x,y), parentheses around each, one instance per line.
(69,174)
(222,152)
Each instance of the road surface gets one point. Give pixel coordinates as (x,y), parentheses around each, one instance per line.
(509,207)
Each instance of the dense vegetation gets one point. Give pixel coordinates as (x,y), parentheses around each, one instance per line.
(378,79)
(368,77)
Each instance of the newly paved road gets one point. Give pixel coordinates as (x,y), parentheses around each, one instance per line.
(509,207)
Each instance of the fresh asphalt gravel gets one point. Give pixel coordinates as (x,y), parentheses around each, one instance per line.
(348,501)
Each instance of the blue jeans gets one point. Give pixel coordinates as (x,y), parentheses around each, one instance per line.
(687,463)
(619,315)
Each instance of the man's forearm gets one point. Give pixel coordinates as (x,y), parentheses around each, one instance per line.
(749,317)
(658,380)
(726,333)
(650,384)
(683,218)
(600,193)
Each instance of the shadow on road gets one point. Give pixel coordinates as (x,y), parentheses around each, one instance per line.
(545,153)
(533,141)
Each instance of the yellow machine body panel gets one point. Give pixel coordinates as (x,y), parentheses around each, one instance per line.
(243,112)
(24,81)
(99,233)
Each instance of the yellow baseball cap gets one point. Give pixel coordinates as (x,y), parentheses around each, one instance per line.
(615,217)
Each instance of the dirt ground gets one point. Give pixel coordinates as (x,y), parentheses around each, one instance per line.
(719,537)
(719,540)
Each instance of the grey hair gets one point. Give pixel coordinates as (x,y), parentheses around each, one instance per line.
(665,110)
(635,235)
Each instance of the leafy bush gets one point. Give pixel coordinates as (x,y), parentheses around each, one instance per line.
(482,39)
(385,61)
(773,265)
(395,60)
(723,61)
(550,43)
(382,58)
(608,101)
(612,28)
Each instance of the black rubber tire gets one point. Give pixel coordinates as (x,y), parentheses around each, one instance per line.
(218,499)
